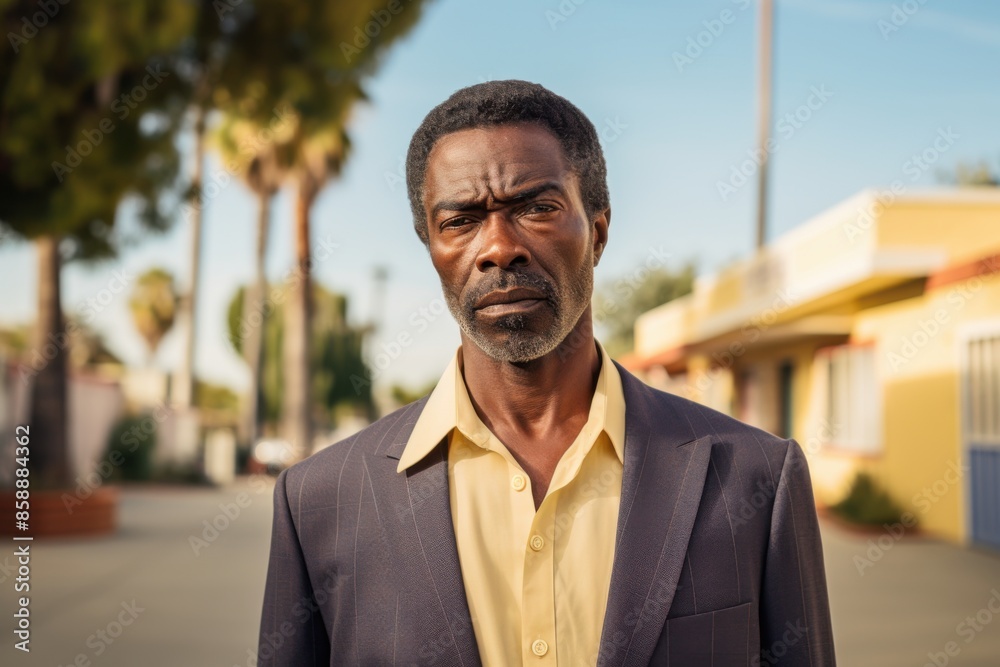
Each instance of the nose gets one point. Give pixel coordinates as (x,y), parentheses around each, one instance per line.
(502,246)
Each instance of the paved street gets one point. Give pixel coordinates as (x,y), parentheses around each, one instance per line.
(197,610)
(179,609)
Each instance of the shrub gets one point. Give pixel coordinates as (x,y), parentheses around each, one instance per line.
(867,503)
(132,442)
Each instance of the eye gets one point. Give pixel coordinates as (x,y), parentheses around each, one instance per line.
(454,223)
(538,209)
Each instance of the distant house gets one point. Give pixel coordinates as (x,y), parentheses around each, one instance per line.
(870,334)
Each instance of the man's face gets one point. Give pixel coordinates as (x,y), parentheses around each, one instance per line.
(510,239)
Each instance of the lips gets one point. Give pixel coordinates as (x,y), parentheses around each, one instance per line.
(509,301)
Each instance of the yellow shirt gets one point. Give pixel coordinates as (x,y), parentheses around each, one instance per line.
(536,582)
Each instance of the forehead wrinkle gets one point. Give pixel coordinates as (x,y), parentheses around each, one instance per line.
(478,178)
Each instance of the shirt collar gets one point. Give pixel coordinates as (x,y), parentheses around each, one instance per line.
(441,413)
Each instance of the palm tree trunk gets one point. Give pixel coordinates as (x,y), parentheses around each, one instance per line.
(253,320)
(183,385)
(297,403)
(49,401)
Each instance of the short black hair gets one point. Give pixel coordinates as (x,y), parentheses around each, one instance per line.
(505,103)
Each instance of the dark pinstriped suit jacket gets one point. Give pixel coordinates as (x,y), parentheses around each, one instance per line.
(717,562)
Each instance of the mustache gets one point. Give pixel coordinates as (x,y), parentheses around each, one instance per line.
(507,280)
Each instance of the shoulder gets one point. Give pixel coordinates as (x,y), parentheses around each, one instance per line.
(343,462)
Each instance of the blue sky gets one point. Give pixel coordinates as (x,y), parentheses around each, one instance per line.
(676,120)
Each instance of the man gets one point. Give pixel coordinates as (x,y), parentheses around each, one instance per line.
(542,506)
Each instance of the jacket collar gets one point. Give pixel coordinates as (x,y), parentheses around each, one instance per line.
(665,464)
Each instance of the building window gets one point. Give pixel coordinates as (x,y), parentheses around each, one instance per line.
(982,393)
(852,401)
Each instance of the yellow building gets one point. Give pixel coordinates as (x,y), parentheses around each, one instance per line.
(870,334)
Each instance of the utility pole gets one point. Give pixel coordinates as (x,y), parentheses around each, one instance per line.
(764,118)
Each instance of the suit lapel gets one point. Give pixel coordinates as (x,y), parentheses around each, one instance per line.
(662,481)
(415,513)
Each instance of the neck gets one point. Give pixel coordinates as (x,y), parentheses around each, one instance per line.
(532,397)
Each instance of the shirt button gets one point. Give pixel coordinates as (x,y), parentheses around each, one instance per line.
(536,544)
(518,482)
(539,647)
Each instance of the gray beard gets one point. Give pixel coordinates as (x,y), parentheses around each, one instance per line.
(520,344)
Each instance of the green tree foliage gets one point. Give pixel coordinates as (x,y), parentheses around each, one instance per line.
(154,306)
(307,61)
(216,397)
(88,114)
(86,119)
(618,304)
(335,355)
(404,395)
(973,174)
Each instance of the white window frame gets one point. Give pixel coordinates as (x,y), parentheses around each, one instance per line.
(851,397)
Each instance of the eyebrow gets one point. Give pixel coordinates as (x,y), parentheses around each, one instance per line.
(473,204)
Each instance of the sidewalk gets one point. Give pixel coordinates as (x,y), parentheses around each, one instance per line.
(145,598)
(916,599)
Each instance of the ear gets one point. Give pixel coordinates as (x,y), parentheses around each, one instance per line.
(601,222)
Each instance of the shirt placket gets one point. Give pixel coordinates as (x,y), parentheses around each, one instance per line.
(538,608)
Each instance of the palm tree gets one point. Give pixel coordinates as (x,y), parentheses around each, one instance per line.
(154,307)
(258,158)
(318,80)
(319,157)
(67,160)
(207,64)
